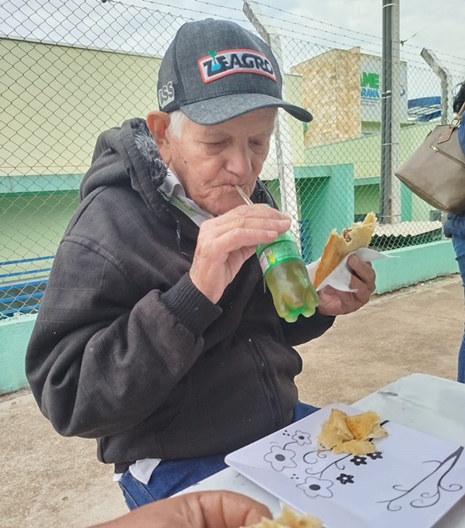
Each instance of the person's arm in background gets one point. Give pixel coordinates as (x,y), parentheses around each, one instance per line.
(208,509)
(459,100)
(462,134)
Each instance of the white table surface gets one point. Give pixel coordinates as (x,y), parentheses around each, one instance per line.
(426,403)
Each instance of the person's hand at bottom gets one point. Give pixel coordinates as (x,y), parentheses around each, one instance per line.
(203,509)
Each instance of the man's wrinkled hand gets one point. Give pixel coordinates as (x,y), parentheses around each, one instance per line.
(227,241)
(336,302)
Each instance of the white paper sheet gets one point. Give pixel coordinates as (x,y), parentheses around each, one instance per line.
(340,277)
(410,482)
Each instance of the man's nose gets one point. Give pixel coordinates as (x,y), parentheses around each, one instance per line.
(240,161)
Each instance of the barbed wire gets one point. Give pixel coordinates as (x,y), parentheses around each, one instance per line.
(433,21)
(322,37)
(156,2)
(415,50)
(294,23)
(288,13)
(358,32)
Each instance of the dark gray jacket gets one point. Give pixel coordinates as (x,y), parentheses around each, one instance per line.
(126,350)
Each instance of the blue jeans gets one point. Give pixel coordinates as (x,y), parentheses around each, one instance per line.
(171,476)
(459,247)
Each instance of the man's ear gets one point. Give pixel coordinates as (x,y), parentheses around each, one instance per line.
(158,123)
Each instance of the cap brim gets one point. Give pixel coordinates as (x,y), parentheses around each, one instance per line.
(220,109)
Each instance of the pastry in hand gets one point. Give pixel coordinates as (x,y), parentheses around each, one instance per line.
(339,246)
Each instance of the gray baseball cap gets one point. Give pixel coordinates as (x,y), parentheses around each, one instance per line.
(215,70)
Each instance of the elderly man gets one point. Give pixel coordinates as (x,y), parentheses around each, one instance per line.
(155,335)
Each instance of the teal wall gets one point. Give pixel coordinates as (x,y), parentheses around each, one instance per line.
(275,189)
(326,196)
(366,198)
(326,201)
(14,336)
(410,265)
(32,224)
(364,151)
(49,183)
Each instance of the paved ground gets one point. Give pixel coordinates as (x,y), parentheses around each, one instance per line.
(49,481)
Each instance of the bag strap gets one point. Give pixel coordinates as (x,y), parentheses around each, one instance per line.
(446,134)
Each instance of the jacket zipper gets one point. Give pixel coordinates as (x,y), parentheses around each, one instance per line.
(446,154)
(273,399)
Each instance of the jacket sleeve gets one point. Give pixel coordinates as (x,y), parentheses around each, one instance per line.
(306,329)
(101,357)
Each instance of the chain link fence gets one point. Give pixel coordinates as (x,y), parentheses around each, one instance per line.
(69,70)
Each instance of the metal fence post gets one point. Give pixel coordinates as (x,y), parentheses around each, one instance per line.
(390,203)
(446,86)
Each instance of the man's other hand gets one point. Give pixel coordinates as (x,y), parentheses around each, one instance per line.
(336,302)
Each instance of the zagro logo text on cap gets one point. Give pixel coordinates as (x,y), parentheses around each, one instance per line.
(218,64)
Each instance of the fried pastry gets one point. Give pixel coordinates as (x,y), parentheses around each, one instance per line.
(343,433)
(338,246)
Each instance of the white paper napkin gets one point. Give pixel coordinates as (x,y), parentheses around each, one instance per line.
(340,277)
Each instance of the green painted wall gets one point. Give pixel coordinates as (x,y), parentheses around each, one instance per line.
(326,200)
(275,189)
(364,151)
(39,183)
(59,98)
(411,265)
(32,224)
(14,336)
(406,203)
(366,199)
